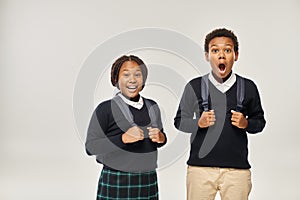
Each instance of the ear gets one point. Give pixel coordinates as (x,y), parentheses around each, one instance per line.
(236,56)
(206,56)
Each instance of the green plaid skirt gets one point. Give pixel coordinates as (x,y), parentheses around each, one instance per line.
(126,185)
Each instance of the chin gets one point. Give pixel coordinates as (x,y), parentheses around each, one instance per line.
(132,95)
(223,74)
(218,75)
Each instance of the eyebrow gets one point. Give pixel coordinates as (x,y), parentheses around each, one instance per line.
(138,70)
(216,45)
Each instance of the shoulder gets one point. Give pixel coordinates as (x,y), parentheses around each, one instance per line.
(150,101)
(193,87)
(250,86)
(152,104)
(195,81)
(103,106)
(248,81)
(193,84)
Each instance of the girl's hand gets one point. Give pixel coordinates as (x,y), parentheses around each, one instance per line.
(132,135)
(156,135)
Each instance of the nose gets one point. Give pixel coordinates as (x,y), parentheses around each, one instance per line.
(132,79)
(221,55)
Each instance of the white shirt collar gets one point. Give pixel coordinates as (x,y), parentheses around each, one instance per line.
(137,105)
(223,87)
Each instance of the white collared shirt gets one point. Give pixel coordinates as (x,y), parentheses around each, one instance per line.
(223,87)
(137,105)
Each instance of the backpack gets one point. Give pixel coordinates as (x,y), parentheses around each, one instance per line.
(128,115)
(240,92)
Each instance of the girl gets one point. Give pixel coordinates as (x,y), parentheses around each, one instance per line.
(124,134)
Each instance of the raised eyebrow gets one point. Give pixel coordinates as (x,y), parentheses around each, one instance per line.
(215,45)
(124,70)
(127,70)
(229,45)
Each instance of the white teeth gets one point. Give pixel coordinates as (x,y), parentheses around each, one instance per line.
(132,87)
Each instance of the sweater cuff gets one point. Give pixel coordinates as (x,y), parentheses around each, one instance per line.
(117,140)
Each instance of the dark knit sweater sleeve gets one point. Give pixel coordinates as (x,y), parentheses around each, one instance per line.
(97,141)
(188,113)
(255,113)
(159,122)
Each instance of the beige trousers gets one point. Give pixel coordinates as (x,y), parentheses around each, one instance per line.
(203,183)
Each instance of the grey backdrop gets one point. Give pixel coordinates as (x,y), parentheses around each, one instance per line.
(44,44)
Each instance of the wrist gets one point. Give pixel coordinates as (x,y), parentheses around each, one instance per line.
(200,125)
(246,124)
(162,137)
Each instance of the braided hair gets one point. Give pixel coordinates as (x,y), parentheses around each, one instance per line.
(116,66)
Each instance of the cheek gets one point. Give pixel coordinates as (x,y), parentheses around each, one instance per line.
(213,59)
(120,83)
(140,80)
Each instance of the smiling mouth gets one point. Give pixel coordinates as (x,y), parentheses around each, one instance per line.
(132,88)
(222,67)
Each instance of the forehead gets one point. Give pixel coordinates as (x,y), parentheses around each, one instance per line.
(130,65)
(221,41)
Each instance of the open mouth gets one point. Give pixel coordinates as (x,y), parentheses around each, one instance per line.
(222,67)
(132,88)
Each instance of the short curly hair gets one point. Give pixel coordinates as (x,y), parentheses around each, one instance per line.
(221,32)
(116,66)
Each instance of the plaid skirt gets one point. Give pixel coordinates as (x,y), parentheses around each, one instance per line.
(127,185)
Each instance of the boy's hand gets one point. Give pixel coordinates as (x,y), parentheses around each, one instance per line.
(238,119)
(207,119)
(133,134)
(156,135)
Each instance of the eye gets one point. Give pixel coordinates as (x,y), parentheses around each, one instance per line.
(138,75)
(215,50)
(227,50)
(126,74)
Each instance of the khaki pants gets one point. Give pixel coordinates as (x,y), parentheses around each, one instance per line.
(203,183)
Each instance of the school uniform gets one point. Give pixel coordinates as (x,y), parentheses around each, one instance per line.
(129,170)
(212,170)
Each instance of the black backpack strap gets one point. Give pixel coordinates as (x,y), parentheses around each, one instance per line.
(204,92)
(151,112)
(128,115)
(240,92)
(124,109)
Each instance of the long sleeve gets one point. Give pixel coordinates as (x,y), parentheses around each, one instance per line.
(159,124)
(231,148)
(188,113)
(97,141)
(255,116)
(104,138)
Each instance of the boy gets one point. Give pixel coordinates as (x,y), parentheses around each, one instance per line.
(218,158)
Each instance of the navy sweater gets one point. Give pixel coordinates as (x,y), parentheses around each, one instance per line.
(104,138)
(231,146)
